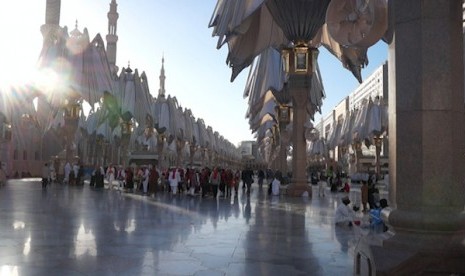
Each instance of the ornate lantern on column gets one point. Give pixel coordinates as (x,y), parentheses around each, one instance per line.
(6,132)
(300,59)
(284,114)
(126,128)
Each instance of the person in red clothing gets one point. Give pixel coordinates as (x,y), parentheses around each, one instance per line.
(346,188)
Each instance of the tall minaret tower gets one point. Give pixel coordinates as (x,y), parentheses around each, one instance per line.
(112,38)
(161,91)
(50,30)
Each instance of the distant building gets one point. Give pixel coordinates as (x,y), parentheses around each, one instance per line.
(250,155)
(374,86)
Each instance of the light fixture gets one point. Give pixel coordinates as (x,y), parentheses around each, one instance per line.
(299,59)
(6,132)
(284,114)
(126,127)
(72,109)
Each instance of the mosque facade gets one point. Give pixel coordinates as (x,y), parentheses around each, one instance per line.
(125,121)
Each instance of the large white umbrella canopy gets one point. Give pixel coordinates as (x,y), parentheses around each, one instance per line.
(203,134)
(180,123)
(377,118)
(189,127)
(334,135)
(133,96)
(80,68)
(317,147)
(359,130)
(211,139)
(250,27)
(173,129)
(157,105)
(345,138)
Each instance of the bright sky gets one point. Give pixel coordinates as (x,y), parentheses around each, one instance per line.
(196,72)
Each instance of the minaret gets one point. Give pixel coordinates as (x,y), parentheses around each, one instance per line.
(112,38)
(161,91)
(51,28)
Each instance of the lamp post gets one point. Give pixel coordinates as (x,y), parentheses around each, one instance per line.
(299,62)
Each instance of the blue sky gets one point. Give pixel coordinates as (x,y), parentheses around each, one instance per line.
(196,72)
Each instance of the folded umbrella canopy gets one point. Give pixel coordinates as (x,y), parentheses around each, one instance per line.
(133,96)
(251,26)
(203,134)
(189,126)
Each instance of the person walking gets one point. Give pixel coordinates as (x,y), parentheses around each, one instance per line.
(45,175)
(247,179)
(110,176)
(174,178)
(215,180)
(67,171)
(276,183)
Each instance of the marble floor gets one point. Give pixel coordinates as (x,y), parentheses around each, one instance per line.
(83,231)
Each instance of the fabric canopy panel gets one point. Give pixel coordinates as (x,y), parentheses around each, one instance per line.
(258,33)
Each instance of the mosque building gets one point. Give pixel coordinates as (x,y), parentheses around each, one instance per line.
(124,118)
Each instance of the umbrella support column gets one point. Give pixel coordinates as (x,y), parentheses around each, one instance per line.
(426,146)
(299,86)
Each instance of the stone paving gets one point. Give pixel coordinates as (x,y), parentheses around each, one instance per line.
(67,230)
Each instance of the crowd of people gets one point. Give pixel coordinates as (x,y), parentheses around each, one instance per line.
(148,180)
(217,182)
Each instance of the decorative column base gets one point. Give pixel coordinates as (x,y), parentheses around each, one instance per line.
(379,257)
(298,189)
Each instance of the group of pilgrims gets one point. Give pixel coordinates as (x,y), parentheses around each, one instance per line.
(148,180)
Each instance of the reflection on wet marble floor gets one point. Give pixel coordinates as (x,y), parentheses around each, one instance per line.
(82,231)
